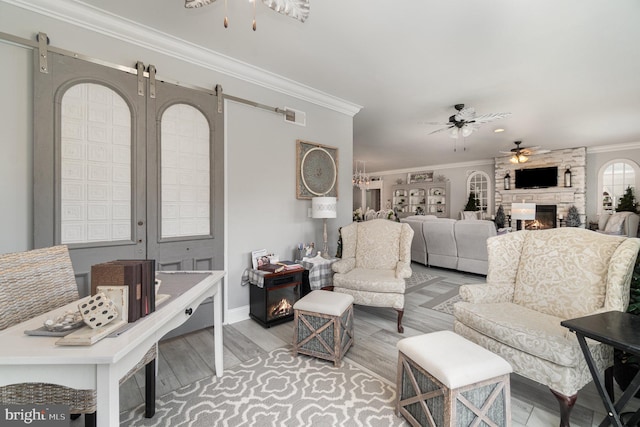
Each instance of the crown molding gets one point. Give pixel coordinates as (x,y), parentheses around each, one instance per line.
(589,150)
(613,147)
(91,18)
(437,167)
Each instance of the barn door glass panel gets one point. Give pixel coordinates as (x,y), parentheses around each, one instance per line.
(95,155)
(185,172)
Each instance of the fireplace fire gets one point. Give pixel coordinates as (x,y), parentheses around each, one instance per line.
(272,303)
(283,308)
(545,218)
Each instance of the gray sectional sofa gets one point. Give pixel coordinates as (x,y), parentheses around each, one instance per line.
(449,243)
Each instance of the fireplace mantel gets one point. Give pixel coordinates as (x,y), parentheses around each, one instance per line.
(551,194)
(547,190)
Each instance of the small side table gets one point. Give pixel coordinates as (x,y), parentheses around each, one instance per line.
(619,330)
(272,295)
(320,272)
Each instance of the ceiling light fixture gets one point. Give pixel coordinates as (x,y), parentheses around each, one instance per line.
(465,122)
(521,154)
(498,130)
(518,158)
(360,177)
(296,9)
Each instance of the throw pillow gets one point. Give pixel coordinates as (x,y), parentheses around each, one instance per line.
(602,221)
(469,215)
(615,224)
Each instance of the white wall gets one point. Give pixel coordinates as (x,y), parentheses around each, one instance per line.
(262,210)
(15,149)
(456,174)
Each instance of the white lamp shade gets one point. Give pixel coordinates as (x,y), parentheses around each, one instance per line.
(324,207)
(523,211)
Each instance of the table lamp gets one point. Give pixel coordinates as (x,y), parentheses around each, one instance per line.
(523,211)
(324,207)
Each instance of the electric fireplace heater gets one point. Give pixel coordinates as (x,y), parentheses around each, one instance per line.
(273,303)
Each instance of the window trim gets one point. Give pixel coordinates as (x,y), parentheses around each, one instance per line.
(634,166)
(489,190)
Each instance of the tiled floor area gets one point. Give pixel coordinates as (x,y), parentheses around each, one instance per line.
(188,358)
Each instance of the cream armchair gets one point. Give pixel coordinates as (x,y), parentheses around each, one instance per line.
(535,280)
(376,260)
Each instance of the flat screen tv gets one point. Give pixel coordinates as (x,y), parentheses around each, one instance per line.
(537,177)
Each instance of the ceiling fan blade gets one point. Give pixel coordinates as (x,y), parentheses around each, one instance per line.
(485,118)
(422,122)
(296,9)
(191,4)
(541,151)
(440,130)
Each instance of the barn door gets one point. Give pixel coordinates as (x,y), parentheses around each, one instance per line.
(98,186)
(185,179)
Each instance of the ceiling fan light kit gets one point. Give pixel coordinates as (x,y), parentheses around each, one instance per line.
(465,122)
(521,154)
(518,158)
(296,9)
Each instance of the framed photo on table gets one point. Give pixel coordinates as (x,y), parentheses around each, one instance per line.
(316,171)
(259,258)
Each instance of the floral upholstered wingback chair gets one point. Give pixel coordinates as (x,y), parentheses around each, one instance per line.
(536,279)
(376,260)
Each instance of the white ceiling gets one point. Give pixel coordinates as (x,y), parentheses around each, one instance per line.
(568,71)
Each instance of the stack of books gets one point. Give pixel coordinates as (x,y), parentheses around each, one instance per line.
(138,275)
(280,266)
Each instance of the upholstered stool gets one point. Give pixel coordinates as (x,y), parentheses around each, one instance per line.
(323,325)
(445,380)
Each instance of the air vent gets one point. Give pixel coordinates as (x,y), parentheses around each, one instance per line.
(295,117)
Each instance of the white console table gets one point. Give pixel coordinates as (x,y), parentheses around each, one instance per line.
(100,366)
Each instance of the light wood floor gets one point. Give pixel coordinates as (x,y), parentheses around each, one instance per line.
(188,358)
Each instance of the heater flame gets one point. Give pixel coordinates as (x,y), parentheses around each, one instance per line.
(282,308)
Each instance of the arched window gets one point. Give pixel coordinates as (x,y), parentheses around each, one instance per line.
(478,182)
(613,179)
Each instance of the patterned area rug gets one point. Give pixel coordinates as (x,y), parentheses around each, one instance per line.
(278,389)
(447,306)
(419,279)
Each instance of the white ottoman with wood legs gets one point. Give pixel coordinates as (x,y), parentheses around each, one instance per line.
(446,380)
(323,325)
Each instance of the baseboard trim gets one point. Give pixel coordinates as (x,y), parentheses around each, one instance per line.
(236,315)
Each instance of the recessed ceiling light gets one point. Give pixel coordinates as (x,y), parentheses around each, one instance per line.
(498,130)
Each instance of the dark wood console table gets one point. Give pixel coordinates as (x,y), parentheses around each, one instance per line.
(619,330)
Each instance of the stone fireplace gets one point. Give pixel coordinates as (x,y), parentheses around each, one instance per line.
(559,199)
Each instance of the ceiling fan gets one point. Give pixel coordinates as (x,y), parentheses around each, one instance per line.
(521,154)
(465,121)
(296,9)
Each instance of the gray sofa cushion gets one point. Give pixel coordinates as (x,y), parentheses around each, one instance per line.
(441,243)
(471,241)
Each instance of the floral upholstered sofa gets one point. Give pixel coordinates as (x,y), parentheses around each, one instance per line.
(536,279)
